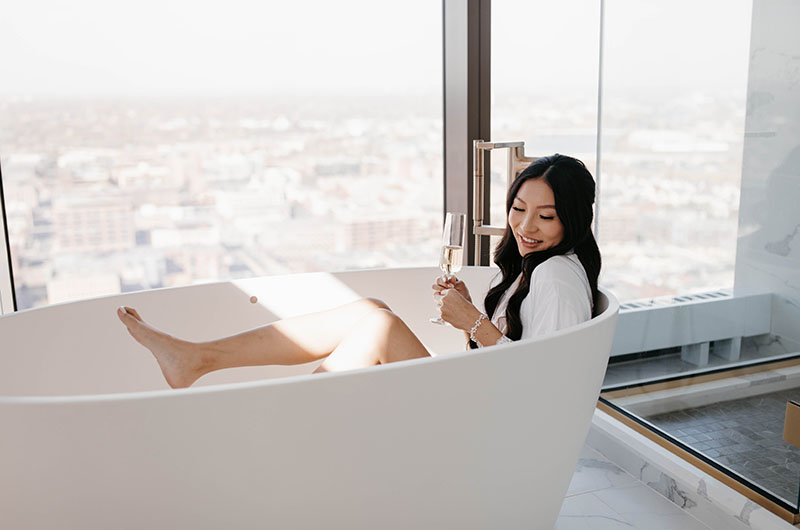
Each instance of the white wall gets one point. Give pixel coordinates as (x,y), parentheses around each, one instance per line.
(768,251)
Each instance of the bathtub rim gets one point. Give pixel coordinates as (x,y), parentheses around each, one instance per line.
(234,281)
(611,311)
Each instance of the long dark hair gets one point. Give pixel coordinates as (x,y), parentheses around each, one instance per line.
(573,188)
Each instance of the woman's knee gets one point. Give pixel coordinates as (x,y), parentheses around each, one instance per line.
(380,318)
(392,339)
(375,303)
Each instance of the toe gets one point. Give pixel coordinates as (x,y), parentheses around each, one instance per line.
(127,318)
(132,312)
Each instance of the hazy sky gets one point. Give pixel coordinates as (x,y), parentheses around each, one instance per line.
(106,46)
(647,43)
(90,47)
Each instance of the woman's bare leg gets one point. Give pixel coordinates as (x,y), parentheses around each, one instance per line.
(291,341)
(381,337)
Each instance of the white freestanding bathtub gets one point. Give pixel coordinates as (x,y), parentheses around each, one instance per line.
(91,437)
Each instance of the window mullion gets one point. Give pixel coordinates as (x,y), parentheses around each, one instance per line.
(467,74)
(7,299)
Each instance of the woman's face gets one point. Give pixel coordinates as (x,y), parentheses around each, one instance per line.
(533,218)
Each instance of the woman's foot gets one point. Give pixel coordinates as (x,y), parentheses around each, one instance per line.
(180,361)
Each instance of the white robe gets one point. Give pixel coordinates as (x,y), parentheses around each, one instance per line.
(560,296)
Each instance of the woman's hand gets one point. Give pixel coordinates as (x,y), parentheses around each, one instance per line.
(443,283)
(457,310)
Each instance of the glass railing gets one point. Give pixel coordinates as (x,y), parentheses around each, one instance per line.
(706,376)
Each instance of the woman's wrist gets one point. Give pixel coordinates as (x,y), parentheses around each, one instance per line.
(478,321)
(468,322)
(483,332)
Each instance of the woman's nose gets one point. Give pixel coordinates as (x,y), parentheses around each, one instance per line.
(529,224)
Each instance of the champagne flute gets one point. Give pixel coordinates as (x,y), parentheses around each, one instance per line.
(452,253)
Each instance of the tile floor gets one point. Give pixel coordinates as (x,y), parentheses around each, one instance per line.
(603,496)
(746,435)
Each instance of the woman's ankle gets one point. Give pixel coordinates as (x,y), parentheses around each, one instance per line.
(206,359)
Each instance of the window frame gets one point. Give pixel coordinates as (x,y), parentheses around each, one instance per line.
(8,299)
(466,66)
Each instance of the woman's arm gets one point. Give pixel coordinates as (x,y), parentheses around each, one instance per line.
(462,314)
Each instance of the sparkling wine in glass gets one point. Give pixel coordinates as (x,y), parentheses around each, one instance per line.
(452,253)
(450,259)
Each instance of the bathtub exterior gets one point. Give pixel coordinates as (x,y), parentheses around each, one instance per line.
(91,437)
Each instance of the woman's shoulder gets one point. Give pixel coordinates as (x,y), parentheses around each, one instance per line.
(564,267)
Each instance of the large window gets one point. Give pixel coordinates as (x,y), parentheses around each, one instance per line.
(673,124)
(164,143)
(672,108)
(170,142)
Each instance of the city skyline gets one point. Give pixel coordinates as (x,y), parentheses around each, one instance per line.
(135,195)
(179,136)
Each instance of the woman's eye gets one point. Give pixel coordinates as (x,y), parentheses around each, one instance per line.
(517,209)
(546,218)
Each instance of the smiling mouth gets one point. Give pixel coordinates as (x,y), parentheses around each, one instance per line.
(529,241)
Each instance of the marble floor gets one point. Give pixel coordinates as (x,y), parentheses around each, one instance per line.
(603,496)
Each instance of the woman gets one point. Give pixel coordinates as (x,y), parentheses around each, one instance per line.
(549,263)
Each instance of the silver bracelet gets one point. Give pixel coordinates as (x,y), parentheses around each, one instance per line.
(475,328)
